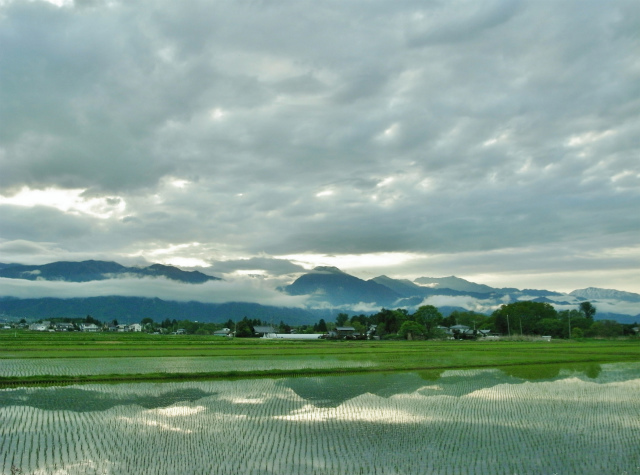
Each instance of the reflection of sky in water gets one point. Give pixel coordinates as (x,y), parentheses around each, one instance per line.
(582,420)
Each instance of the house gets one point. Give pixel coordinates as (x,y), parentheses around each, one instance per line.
(123,328)
(293,336)
(462,332)
(181,331)
(260,330)
(39,327)
(64,327)
(136,327)
(223,332)
(345,332)
(89,327)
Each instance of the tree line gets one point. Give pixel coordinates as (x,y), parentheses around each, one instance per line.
(518,318)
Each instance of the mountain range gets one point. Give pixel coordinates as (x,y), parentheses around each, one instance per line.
(327,290)
(86,271)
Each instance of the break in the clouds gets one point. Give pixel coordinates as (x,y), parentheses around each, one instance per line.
(497,141)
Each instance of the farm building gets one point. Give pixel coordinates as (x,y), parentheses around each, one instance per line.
(261,330)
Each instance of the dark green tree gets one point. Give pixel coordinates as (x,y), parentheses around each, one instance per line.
(341,319)
(391,319)
(588,310)
(605,329)
(321,326)
(411,329)
(244,328)
(522,317)
(429,317)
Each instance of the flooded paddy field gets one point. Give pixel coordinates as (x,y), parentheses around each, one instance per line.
(25,367)
(548,419)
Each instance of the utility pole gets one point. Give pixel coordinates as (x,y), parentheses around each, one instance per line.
(508,325)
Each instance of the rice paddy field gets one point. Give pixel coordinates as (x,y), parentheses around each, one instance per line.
(562,420)
(333,408)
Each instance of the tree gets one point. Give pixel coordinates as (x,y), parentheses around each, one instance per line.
(588,310)
(450,320)
(573,320)
(411,329)
(359,327)
(429,317)
(552,327)
(392,320)
(341,319)
(522,317)
(244,328)
(605,329)
(90,319)
(146,321)
(322,326)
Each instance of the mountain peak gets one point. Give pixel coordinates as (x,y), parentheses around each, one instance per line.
(327,270)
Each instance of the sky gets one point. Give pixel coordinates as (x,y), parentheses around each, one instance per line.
(498,140)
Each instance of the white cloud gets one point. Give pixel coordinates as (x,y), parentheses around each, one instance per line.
(239,290)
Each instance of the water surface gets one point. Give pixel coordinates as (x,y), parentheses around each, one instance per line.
(562,419)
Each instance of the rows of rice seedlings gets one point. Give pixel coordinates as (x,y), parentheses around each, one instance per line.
(96,366)
(264,426)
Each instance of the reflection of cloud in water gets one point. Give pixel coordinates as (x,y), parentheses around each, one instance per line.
(153,423)
(368,409)
(176,411)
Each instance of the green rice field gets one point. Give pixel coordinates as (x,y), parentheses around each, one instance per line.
(316,407)
(550,419)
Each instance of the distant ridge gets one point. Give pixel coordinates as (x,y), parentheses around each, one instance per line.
(591,293)
(132,309)
(86,271)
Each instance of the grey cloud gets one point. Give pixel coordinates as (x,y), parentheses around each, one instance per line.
(20,248)
(438,128)
(456,22)
(272,266)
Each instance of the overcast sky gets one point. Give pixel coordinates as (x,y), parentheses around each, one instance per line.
(498,141)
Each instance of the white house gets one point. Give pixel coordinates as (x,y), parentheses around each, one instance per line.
(136,327)
(89,327)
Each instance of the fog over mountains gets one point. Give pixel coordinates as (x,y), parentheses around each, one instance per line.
(108,290)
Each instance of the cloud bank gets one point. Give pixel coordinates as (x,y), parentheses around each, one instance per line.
(494,141)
